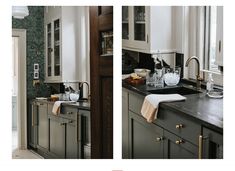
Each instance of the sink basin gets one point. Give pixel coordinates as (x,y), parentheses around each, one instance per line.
(175,90)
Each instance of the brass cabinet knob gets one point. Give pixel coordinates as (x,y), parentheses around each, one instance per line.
(69,113)
(179,126)
(179,141)
(159,139)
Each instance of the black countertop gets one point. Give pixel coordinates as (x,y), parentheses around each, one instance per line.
(80,105)
(208,111)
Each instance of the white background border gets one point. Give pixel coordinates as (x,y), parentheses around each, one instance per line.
(117,164)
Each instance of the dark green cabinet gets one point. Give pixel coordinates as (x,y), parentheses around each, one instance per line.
(124,124)
(178,148)
(85,133)
(145,140)
(211,144)
(72,140)
(43,129)
(171,136)
(33,125)
(57,136)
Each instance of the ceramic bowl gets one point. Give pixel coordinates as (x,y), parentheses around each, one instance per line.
(142,72)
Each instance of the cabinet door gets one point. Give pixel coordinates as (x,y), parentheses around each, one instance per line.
(33,125)
(72,142)
(53,50)
(124,124)
(43,130)
(178,148)
(145,140)
(85,133)
(125,22)
(212,144)
(57,137)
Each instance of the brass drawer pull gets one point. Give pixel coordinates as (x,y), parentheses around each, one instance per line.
(158,139)
(179,141)
(200,147)
(62,124)
(69,113)
(179,126)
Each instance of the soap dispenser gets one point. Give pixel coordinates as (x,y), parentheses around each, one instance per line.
(210,83)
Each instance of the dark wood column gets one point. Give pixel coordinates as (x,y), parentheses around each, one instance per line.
(101,20)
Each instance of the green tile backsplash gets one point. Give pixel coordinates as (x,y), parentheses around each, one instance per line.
(34,24)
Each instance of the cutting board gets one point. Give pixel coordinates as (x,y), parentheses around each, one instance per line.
(134,82)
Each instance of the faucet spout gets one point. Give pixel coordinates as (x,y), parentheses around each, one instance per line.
(198,78)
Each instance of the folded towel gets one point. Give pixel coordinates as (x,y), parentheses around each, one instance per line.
(56,106)
(151,102)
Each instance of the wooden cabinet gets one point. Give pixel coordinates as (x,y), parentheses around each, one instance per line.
(211,144)
(43,127)
(145,140)
(66,53)
(101,60)
(146,29)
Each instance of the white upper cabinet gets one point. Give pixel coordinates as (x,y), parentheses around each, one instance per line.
(219,36)
(146,29)
(66,44)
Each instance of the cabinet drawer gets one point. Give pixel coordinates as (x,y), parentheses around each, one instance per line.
(135,102)
(69,112)
(179,125)
(178,148)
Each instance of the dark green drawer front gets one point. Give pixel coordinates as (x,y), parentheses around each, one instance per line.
(169,120)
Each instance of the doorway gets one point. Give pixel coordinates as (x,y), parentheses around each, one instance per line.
(19,131)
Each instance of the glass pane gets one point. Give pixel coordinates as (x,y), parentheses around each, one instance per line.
(57,47)
(139,23)
(125,22)
(212,50)
(49,48)
(107,43)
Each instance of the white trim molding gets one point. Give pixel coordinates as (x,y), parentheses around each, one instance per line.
(21,96)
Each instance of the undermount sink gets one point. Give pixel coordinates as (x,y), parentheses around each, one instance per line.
(175,90)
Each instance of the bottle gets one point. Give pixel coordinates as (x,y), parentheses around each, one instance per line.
(210,83)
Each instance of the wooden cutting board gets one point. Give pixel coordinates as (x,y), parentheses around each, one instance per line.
(134,82)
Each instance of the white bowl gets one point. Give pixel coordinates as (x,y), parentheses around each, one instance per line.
(171,79)
(74,97)
(142,72)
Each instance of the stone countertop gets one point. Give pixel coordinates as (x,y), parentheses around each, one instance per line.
(208,111)
(80,105)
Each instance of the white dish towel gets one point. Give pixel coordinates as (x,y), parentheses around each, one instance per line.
(151,102)
(56,106)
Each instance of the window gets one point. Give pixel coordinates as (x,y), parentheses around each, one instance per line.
(211,26)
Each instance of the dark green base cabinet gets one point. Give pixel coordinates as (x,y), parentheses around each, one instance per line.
(171,136)
(66,136)
(145,140)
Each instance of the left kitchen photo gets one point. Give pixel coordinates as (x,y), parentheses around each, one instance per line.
(62,82)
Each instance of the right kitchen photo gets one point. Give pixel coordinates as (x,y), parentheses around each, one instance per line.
(172,82)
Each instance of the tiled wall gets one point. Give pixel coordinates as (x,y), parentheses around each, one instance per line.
(34,24)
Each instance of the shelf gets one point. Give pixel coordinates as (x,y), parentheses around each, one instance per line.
(107,54)
(105,36)
(140,22)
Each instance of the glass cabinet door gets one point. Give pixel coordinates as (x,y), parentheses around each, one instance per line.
(57,47)
(125,22)
(49,50)
(139,23)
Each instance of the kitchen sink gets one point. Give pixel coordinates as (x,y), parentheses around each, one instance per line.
(175,90)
